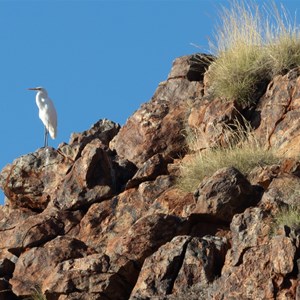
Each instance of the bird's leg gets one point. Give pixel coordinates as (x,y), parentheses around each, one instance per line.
(46,137)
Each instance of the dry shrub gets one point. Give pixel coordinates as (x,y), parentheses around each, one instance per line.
(242,150)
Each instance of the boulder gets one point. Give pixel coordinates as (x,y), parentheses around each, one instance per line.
(152,168)
(110,220)
(91,179)
(31,179)
(104,130)
(224,194)
(159,270)
(180,264)
(35,265)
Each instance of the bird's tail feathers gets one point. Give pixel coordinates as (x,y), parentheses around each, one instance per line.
(52,132)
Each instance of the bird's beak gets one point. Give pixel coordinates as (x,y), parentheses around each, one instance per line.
(32,89)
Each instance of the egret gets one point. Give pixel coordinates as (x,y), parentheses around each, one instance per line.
(47,113)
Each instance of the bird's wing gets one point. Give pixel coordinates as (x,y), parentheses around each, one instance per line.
(51,118)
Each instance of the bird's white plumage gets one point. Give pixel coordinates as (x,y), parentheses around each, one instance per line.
(47,111)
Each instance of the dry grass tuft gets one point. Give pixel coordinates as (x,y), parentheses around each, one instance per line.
(288,216)
(252,44)
(242,151)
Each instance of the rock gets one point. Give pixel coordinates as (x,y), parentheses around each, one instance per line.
(94,276)
(35,265)
(106,222)
(32,232)
(209,120)
(278,113)
(38,229)
(174,201)
(263,175)
(283,256)
(31,179)
(258,266)
(290,166)
(191,67)
(11,216)
(224,194)
(157,127)
(199,64)
(124,171)
(146,235)
(91,178)
(112,274)
(249,229)
(202,263)
(283,192)
(179,265)
(103,130)
(159,270)
(249,280)
(152,168)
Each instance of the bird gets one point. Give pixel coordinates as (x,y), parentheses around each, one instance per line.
(47,113)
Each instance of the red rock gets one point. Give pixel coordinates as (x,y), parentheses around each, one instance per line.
(263,175)
(209,120)
(38,229)
(34,231)
(258,266)
(152,168)
(202,263)
(174,201)
(145,236)
(109,220)
(249,229)
(157,127)
(191,67)
(160,270)
(291,166)
(178,265)
(282,257)
(95,276)
(11,216)
(90,179)
(31,179)
(279,112)
(104,130)
(34,265)
(224,194)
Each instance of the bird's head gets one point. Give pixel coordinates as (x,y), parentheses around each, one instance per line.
(38,89)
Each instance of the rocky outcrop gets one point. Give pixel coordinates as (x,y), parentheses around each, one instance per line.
(278,112)
(102,217)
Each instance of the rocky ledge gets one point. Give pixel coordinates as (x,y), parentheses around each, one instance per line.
(102,218)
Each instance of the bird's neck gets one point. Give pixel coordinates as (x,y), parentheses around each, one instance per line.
(40,99)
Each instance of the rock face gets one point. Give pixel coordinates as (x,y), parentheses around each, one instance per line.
(278,112)
(102,217)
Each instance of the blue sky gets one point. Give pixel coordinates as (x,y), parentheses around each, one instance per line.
(97,59)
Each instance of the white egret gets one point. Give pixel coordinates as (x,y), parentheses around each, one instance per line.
(47,113)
